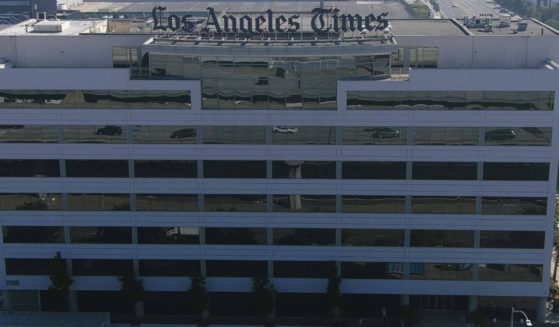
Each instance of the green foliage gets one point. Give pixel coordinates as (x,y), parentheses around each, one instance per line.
(131,289)
(417,10)
(198,294)
(264,295)
(435,5)
(58,275)
(478,317)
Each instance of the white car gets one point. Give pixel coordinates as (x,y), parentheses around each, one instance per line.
(284,130)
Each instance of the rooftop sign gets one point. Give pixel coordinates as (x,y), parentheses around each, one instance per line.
(321,21)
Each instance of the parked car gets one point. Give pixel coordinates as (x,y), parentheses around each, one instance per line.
(183,133)
(383,132)
(284,130)
(109,130)
(503,134)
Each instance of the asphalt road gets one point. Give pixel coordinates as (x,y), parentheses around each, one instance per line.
(467,8)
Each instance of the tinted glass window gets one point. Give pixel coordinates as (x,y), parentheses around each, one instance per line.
(234,202)
(373,270)
(96,168)
(441,271)
(445,170)
(168,235)
(515,171)
(41,201)
(304,169)
(99,202)
(304,203)
(113,235)
(28,266)
(166,202)
(442,204)
(234,169)
(165,168)
(169,267)
(372,237)
(303,269)
(374,135)
(373,204)
(304,236)
(95,134)
(97,267)
(518,136)
(29,168)
(513,206)
(164,134)
(133,99)
(446,136)
(236,268)
(28,133)
(442,238)
(35,234)
(373,170)
(510,272)
(243,236)
(512,239)
(234,135)
(303,135)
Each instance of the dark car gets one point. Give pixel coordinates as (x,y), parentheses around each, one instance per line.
(504,134)
(383,132)
(109,130)
(183,133)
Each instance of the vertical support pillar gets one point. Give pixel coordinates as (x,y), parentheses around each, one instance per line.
(541,309)
(472,303)
(404,300)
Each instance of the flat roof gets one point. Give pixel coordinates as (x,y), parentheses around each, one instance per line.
(533,28)
(71,27)
(426,27)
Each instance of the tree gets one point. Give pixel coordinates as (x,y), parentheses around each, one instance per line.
(198,295)
(264,294)
(132,291)
(333,294)
(59,278)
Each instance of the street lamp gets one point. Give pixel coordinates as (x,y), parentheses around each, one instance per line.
(528,322)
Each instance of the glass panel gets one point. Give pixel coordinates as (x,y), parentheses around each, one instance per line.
(374,135)
(34,234)
(240,236)
(149,134)
(169,267)
(29,168)
(234,169)
(165,168)
(446,136)
(304,203)
(513,206)
(41,201)
(304,169)
(28,133)
(96,168)
(373,170)
(442,238)
(443,205)
(303,135)
(442,271)
(234,135)
(303,269)
(95,134)
(99,202)
(112,235)
(444,170)
(373,204)
(236,268)
(373,270)
(168,235)
(28,266)
(105,267)
(512,239)
(539,136)
(510,272)
(372,237)
(166,202)
(304,236)
(234,202)
(515,171)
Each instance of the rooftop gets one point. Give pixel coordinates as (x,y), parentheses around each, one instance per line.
(433,27)
(533,28)
(50,28)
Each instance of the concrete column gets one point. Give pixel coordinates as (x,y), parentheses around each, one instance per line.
(472,303)
(73,300)
(541,309)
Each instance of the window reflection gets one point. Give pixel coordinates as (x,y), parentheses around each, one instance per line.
(102,267)
(166,202)
(99,202)
(372,237)
(304,203)
(165,168)
(304,169)
(239,236)
(95,134)
(237,268)
(446,136)
(169,267)
(28,266)
(538,136)
(512,239)
(234,135)
(374,170)
(442,238)
(373,204)
(443,204)
(30,201)
(234,169)
(303,135)
(96,168)
(374,135)
(304,236)
(234,202)
(168,235)
(510,272)
(114,235)
(513,206)
(441,271)
(33,234)
(373,270)
(303,269)
(150,134)
(444,170)
(515,171)
(28,133)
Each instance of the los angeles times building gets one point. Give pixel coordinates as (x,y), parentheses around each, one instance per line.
(416,159)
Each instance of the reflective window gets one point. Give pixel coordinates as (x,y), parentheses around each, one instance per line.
(373,270)
(234,202)
(441,271)
(169,267)
(446,136)
(304,169)
(304,236)
(303,269)
(113,235)
(234,135)
(515,171)
(303,135)
(166,202)
(242,236)
(41,201)
(373,204)
(443,204)
(512,239)
(99,202)
(96,168)
(28,266)
(168,235)
(374,170)
(510,272)
(28,133)
(442,238)
(518,136)
(149,134)
(124,57)
(234,169)
(374,135)
(444,170)
(33,234)
(29,168)
(237,268)
(372,237)
(165,168)
(101,267)
(304,203)
(513,206)
(95,134)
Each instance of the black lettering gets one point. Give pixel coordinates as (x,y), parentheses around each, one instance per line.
(369,19)
(335,19)
(382,22)
(258,23)
(157,18)
(226,19)
(351,22)
(270,20)
(174,22)
(212,20)
(245,24)
(293,23)
(187,26)
(317,21)
(279,21)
